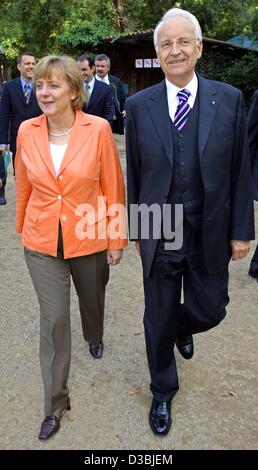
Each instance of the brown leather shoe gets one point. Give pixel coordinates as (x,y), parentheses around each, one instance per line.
(51,424)
(96,351)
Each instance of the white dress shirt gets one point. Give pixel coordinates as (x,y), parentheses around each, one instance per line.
(57,153)
(173,99)
(90,85)
(105,79)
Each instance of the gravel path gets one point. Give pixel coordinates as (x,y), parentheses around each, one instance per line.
(216,407)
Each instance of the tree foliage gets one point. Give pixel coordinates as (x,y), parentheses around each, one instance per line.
(48,26)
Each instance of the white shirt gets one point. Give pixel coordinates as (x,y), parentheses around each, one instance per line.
(173,99)
(90,85)
(105,79)
(57,153)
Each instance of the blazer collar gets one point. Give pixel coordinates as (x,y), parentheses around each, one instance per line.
(76,142)
(158,107)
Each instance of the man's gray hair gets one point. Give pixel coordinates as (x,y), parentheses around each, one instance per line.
(173,12)
(102,57)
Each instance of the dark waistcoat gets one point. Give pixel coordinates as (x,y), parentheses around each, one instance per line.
(186,185)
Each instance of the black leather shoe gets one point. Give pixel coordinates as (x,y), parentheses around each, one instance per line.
(253,274)
(160,417)
(185,346)
(2,200)
(51,424)
(96,351)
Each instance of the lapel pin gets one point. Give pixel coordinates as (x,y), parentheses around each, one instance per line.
(213,102)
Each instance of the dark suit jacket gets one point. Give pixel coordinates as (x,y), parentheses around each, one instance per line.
(224,164)
(253,141)
(101,101)
(119,99)
(14,110)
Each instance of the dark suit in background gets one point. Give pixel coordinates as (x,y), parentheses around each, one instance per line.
(119,100)
(14,110)
(253,148)
(101,101)
(102,64)
(2,169)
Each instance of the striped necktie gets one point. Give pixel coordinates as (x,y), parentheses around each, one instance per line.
(87,92)
(183,109)
(27,92)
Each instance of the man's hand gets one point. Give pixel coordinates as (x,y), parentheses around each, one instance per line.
(124,113)
(240,249)
(114,257)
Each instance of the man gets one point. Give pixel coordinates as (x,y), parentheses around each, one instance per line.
(188,150)
(99,95)
(102,63)
(17,104)
(253,148)
(2,170)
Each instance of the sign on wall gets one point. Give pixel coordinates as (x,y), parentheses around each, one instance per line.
(147,63)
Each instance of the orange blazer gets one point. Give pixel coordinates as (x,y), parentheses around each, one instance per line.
(87,196)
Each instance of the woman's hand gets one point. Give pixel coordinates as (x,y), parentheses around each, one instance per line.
(114,256)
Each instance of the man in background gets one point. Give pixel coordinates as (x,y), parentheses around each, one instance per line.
(18,103)
(102,63)
(99,95)
(2,170)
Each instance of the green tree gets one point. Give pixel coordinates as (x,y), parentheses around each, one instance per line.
(47,26)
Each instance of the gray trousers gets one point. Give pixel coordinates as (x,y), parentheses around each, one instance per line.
(51,278)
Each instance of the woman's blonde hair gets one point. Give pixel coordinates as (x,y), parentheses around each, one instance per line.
(69,69)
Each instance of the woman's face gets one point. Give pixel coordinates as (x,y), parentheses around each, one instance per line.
(54,95)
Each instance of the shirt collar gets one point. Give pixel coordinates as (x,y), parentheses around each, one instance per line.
(23,82)
(91,83)
(105,79)
(192,87)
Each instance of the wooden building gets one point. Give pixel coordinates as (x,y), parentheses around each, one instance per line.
(133,58)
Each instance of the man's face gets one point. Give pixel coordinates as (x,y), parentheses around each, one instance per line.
(178,50)
(102,68)
(26,67)
(86,71)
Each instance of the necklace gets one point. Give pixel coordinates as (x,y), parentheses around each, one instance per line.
(56,134)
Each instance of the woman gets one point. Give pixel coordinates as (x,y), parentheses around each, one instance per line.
(69,194)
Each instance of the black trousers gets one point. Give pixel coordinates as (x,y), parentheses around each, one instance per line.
(205,297)
(2,175)
(254,262)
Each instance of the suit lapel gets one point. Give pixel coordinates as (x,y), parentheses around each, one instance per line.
(19,89)
(158,108)
(93,93)
(208,102)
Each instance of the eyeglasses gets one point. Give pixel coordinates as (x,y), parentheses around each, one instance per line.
(181,43)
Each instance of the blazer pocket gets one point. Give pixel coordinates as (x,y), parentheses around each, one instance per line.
(33,214)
